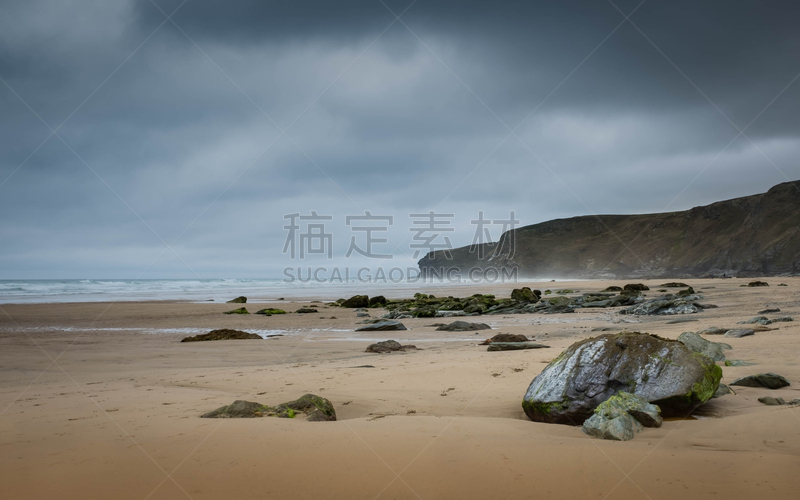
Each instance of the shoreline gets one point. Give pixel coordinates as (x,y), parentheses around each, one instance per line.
(119,410)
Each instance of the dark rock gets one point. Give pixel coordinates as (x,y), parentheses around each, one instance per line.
(238,300)
(635,287)
(270,311)
(316,409)
(382,326)
(463,326)
(675,284)
(662,371)
(663,306)
(706,306)
(758,320)
(768,380)
(424,312)
(781,319)
(612,288)
(680,320)
(377,301)
(241,310)
(770,401)
(389,346)
(306,310)
(685,293)
(696,343)
(758,283)
(739,333)
(356,301)
(782,284)
(362,315)
(515,346)
(770,310)
(222,334)
(506,337)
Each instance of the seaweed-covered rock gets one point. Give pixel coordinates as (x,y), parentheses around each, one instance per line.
(758,283)
(316,409)
(389,346)
(768,380)
(515,346)
(621,416)
(463,326)
(306,310)
(685,293)
(269,311)
(770,310)
(675,284)
(222,334)
(424,312)
(781,319)
(757,320)
(612,288)
(524,294)
(636,287)
(662,371)
(238,300)
(666,305)
(383,326)
(377,301)
(696,343)
(356,301)
(241,310)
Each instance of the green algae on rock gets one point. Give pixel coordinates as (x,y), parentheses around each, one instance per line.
(316,409)
(662,371)
(241,310)
(222,334)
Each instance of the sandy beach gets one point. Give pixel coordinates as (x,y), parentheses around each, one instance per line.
(102,400)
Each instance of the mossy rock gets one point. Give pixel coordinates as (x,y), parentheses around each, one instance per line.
(662,371)
(241,310)
(612,288)
(270,311)
(635,287)
(306,310)
(377,301)
(238,300)
(424,312)
(524,295)
(222,334)
(316,409)
(675,284)
(356,301)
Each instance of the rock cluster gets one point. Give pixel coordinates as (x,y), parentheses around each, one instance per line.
(316,409)
(389,346)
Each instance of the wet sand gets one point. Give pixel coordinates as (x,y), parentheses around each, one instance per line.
(101,400)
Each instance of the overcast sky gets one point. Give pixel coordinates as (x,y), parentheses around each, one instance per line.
(123,131)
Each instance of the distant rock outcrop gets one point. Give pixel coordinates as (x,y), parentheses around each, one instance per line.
(222,334)
(751,236)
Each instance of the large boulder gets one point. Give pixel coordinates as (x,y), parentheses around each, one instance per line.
(714,350)
(662,371)
(356,301)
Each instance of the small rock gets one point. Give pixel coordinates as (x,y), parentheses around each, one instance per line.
(238,300)
(758,283)
(768,380)
(270,311)
(635,287)
(515,346)
(382,326)
(389,346)
(621,416)
(723,390)
(680,320)
(770,401)
(377,301)
(463,326)
(316,409)
(505,337)
(770,310)
(757,320)
(674,284)
(241,310)
(612,288)
(356,301)
(306,310)
(740,332)
(362,315)
(738,362)
(782,319)
(223,334)
(696,343)
(713,331)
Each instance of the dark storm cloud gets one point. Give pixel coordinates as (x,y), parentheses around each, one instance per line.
(408,125)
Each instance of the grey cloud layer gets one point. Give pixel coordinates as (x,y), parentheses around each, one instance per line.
(396,133)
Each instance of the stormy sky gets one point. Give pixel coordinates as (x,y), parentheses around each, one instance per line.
(168,139)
